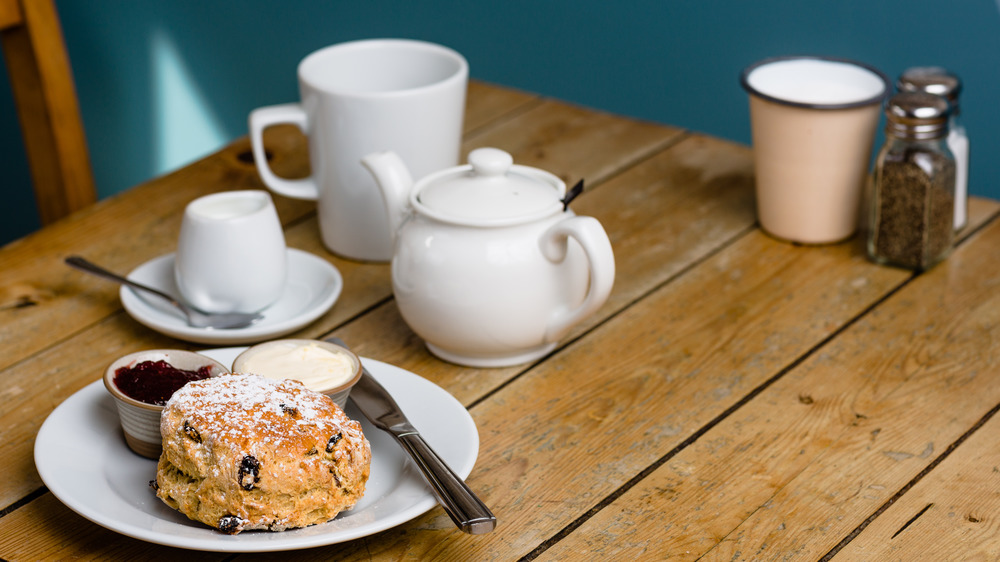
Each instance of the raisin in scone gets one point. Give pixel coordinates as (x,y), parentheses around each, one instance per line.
(244,452)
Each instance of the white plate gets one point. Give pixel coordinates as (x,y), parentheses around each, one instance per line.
(81,456)
(313,286)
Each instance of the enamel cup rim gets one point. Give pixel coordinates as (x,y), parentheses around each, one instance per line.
(761,79)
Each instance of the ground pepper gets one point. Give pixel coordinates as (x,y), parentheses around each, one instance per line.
(913,205)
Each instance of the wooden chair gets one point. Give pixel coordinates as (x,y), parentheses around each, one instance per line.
(42,83)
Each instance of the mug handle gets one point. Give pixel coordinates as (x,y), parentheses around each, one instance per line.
(554,244)
(262,118)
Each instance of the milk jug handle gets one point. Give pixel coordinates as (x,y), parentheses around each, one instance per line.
(554,243)
(262,118)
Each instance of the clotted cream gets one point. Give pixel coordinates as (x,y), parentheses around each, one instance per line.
(318,368)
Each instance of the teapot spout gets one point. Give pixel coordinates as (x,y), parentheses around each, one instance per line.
(394,182)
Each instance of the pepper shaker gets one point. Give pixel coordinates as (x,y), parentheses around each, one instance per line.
(912,205)
(941,82)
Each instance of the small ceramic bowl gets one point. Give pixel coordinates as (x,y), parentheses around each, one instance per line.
(321,366)
(141,421)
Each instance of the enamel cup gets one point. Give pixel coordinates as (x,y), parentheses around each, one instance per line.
(813,121)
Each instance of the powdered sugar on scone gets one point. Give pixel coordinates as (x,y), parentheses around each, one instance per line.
(246,452)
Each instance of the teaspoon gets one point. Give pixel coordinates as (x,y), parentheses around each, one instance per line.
(195,318)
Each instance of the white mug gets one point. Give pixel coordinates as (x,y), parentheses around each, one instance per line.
(357,98)
(231,254)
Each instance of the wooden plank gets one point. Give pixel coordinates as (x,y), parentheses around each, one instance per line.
(564,434)
(933,376)
(10,14)
(83,356)
(137,225)
(488,102)
(671,192)
(120,233)
(948,514)
(694,325)
(662,216)
(573,142)
(42,84)
(22,539)
(793,471)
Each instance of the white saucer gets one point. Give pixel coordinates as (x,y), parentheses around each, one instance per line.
(82,458)
(313,286)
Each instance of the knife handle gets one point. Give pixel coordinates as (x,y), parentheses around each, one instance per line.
(468,512)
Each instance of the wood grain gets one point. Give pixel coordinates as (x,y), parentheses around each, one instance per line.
(486,103)
(122,232)
(566,433)
(737,397)
(573,142)
(42,83)
(22,539)
(10,13)
(111,333)
(126,230)
(660,176)
(950,514)
(796,468)
(656,215)
(59,324)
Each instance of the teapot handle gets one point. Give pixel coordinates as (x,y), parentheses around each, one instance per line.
(601,261)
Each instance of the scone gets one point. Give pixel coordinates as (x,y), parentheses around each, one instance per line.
(245,452)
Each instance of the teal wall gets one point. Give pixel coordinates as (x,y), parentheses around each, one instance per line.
(164,81)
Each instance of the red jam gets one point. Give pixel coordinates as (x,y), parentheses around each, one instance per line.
(154,382)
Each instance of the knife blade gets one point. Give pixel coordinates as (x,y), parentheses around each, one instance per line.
(468,512)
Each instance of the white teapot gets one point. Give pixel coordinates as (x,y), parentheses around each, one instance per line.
(490,268)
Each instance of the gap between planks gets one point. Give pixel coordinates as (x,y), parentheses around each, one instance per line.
(691,439)
(906,488)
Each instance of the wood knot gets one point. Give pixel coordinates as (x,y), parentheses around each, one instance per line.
(806,399)
(22,295)
(246,156)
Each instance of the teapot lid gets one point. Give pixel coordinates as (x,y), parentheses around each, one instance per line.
(491,189)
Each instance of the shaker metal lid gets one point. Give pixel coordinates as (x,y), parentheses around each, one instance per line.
(492,189)
(917,115)
(931,79)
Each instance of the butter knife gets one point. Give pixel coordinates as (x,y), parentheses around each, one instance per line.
(468,512)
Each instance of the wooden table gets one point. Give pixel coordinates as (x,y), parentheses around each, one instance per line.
(736,398)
